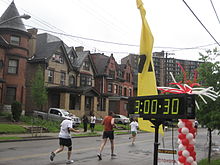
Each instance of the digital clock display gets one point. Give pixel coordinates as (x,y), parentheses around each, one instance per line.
(172,106)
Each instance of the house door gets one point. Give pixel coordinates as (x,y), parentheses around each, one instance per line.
(88,104)
(55,100)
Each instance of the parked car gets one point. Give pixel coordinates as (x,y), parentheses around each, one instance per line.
(121,119)
(57,114)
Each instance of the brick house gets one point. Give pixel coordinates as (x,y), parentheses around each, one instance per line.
(114,82)
(13,57)
(68,75)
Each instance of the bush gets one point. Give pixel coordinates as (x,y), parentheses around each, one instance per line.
(16,110)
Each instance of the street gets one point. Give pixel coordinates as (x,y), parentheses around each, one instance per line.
(85,150)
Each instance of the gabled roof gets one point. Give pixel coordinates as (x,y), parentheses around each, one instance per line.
(47,45)
(100,61)
(15,24)
(80,58)
(71,53)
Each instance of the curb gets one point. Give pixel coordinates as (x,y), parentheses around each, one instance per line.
(40,138)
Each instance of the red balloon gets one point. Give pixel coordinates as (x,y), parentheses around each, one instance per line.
(179,130)
(182,159)
(193,153)
(190,148)
(182,136)
(185,142)
(192,130)
(185,120)
(180,153)
(194,157)
(188,124)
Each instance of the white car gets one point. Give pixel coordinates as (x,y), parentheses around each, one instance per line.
(121,119)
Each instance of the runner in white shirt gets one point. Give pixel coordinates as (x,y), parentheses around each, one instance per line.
(92,122)
(134,127)
(65,140)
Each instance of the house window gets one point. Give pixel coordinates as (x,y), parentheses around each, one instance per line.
(62,78)
(15,40)
(130,92)
(109,87)
(115,89)
(57,58)
(101,104)
(125,91)
(13,66)
(1,64)
(120,90)
(111,74)
(128,77)
(50,76)
(86,65)
(10,95)
(85,80)
(72,81)
(120,74)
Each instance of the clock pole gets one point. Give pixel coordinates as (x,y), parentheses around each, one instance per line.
(156,123)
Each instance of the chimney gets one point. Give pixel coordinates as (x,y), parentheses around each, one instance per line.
(79,48)
(32,41)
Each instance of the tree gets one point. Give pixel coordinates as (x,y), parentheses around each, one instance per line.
(209,76)
(16,110)
(38,90)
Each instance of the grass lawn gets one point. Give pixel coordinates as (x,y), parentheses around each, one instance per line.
(213,162)
(10,138)
(11,128)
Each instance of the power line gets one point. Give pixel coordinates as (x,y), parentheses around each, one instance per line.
(62,33)
(201,23)
(118,43)
(215,11)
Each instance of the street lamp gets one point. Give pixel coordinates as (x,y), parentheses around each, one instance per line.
(25,16)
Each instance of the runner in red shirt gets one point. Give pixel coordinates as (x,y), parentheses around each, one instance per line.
(108,132)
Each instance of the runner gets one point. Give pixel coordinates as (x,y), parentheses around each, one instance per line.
(65,140)
(108,132)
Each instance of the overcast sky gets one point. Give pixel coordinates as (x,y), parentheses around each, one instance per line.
(118,21)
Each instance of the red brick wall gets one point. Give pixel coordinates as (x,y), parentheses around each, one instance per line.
(19,53)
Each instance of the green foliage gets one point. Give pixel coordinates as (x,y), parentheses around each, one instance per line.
(213,162)
(52,126)
(38,90)
(10,128)
(6,115)
(16,110)
(209,76)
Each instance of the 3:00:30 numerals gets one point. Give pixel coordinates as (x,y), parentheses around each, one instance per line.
(154,106)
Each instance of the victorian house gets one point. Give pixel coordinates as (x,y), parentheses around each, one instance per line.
(13,57)
(114,82)
(68,75)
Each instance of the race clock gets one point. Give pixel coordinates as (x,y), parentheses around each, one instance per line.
(171,106)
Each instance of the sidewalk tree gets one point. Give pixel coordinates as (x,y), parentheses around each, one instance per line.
(209,76)
(38,90)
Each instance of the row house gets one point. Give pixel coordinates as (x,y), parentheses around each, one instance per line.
(13,57)
(68,75)
(113,81)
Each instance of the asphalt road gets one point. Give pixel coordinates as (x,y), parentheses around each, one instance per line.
(85,150)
